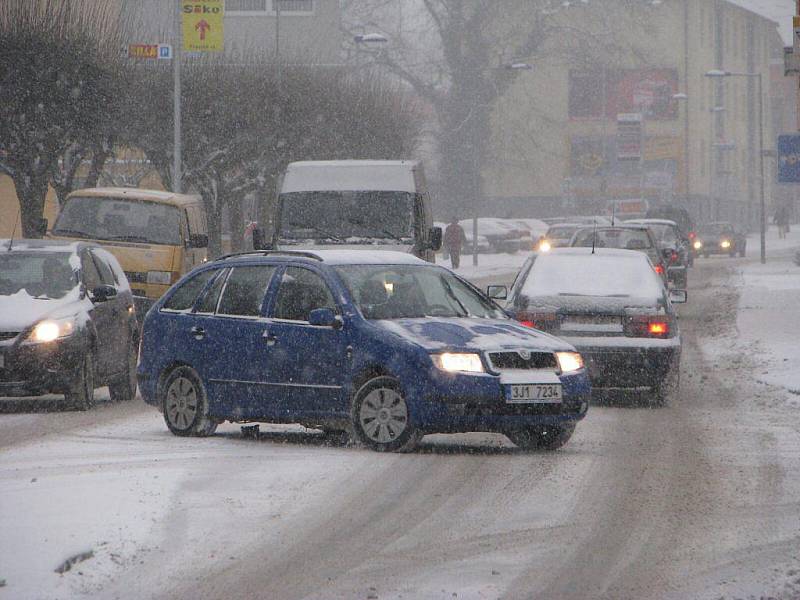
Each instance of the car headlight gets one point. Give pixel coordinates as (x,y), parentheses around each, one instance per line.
(698,244)
(569,362)
(454,362)
(545,246)
(50,330)
(159,277)
(725,244)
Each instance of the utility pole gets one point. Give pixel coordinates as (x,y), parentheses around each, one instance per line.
(176,100)
(277,5)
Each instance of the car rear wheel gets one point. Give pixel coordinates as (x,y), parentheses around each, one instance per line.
(80,394)
(381,418)
(185,404)
(542,437)
(124,388)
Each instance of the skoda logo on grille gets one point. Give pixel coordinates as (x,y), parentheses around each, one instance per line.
(524,354)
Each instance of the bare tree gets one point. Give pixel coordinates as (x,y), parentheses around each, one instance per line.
(460,56)
(58,61)
(240,129)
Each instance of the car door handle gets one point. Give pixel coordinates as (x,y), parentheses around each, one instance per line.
(198,332)
(269,338)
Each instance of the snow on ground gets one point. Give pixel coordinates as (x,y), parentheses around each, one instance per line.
(501,266)
(112,489)
(767,332)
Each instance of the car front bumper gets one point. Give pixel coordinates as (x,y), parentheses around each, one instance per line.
(628,363)
(35,369)
(462,403)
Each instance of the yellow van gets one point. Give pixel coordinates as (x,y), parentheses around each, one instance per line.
(156,236)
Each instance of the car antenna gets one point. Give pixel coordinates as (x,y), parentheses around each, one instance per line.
(14,230)
(613,213)
(594,236)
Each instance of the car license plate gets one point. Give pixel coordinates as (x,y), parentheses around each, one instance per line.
(534,393)
(592,323)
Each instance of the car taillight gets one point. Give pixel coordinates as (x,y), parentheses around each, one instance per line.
(673,258)
(649,326)
(541,321)
(692,235)
(659,268)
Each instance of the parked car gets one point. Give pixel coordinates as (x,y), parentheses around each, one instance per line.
(612,307)
(623,236)
(675,248)
(558,235)
(67,322)
(380,343)
(720,237)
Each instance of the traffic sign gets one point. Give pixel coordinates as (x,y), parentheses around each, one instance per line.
(163,51)
(203,26)
(789,158)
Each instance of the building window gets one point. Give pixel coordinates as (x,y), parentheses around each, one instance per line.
(268,6)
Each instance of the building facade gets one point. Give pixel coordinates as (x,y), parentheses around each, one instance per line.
(652,125)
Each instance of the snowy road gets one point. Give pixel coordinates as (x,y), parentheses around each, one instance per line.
(697,500)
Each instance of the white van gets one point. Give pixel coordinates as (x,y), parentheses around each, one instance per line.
(355,204)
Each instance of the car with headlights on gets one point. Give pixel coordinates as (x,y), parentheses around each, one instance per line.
(720,237)
(558,235)
(379,344)
(612,307)
(67,322)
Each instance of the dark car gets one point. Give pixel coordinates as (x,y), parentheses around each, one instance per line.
(378,343)
(612,307)
(675,249)
(720,237)
(67,323)
(625,237)
(681,217)
(558,235)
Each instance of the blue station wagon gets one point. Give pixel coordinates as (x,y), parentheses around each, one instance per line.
(379,344)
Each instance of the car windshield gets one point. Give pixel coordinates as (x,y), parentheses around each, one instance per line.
(717,228)
(562,232)
(43,275)
(405,291)
(627,239)
(122,219)
(592,275)
(348,217)
(663,233)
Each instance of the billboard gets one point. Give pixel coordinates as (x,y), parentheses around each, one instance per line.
(607,93)
(789,158)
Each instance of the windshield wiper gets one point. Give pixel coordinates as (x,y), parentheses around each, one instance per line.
(317,229)
(82,234)
(452,294)
(385,232)
(130,238)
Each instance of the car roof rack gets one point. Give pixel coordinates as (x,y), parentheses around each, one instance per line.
(297,253)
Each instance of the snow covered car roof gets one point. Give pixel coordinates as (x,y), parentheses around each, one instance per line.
(652,222)
(45,245)
(350,176)
(138,194)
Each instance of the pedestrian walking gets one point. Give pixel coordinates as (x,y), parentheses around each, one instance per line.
(782,220)
(454,238)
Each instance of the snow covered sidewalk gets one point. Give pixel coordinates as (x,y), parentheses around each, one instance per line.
(767,332)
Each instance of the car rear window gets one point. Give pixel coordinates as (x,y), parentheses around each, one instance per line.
(626,239)
(592,275)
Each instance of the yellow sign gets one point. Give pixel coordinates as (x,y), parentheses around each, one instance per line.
(203,25)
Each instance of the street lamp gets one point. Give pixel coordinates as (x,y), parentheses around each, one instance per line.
(719,73)
(513,66)
(712,163)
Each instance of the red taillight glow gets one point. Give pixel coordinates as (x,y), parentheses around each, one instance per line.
(542,321)
(673,258)
(659,269)
(658,328)
(648,326)
(692,235)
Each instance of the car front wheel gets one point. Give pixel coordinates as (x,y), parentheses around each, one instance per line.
(124,388)
(543,437)
(381,417)
(185,405)
(80,394)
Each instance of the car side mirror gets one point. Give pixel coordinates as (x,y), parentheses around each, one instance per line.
(678,296)
(103,293)
(198,240)
(324,317)
(41,227)
(435,236)
(497,292)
